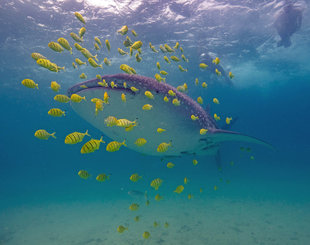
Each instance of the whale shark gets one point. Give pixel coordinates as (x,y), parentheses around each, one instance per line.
(182,132)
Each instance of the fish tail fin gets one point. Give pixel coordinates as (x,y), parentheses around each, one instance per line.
(123,143)
(53,135)
(96,57)
(84,98)
(101,140)
(86,133)
(37,86)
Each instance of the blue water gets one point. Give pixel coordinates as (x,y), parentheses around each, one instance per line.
(269,95)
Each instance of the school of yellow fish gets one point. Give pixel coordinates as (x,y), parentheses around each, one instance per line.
(92,145)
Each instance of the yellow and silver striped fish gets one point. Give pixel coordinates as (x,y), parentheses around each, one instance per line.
(91,146)
(114,146)
(62,98)
(56,112)
(56,47)
(42,134)
(75,137)
(156,183)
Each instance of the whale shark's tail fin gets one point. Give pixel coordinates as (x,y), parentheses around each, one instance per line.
(219,136)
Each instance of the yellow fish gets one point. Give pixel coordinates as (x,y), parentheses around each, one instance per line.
(194,118)
(176,46)
(107,44)
(216,117)
(113,85)
(147,107)
(135,177)
(55,112)
(78,46)
(103,83)
(83,76)
(121,229)
(168,48)
(195,162)
(163,147)
(102,177)
(153,49)
(228,119)
(200,100)
(124,123)
(182,88)
(203,131)
(161,47)
(96,46)
(123,30)
(134,33)
(37,56)
(42,134)
(159,78)
(215,188)
(121,52)
(163,73)
(149,94)
(204,85)
(171,93)
(231,76)
(114,146)
(82,32)
(97,40)
(158,65)
(218,72)
(133,89)
(156,183)
(203,65)
(137,218)
(136,45)
(79,62)
(74,65)
(123,97)
(125,85)
(65,44)
(30,83)
(77,98)
(106,98)
(55,46)
(189,196)
(184,58)
(99,106)
(140,142)
(106,61)
(83,86)
(127,69)
(138,58)
(88,54)
(179,189)
(167,59)
(166,99)
(91,146)
(62,98)
(93,63)
(79,17)
(174,58)
(155,224)
(161,130)
(196,81)
(146,235)
(186,180)
(110,121)
(158,197)
(182,69)
(216,61)
(83,174)
(176,102)
(76,38)
(134,207)
(170,165)
(75,137)
(130,52)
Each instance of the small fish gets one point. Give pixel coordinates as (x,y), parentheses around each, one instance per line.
(65,44)
(106,61)
(163,147)
(181,68)
(189,196)
(166,99)
(195,162)
(97,40)
(83,76)
(203,65)
(203,131)
(88,54)
(78,46)
(147,107)
(161,130)
(96,46)
(158,197)
(163,73)
(121,52)
(218,72)
(130,51)
(196,81)
(129,128)
(216,61)
(171,93)
(231,76)
(74,65)
(179,189)
(79,62)
(75,137)
(186,181)
(184,58)
(174,58)
(56,47)
(127,69)
(156,183)
(182,88)
(176,46)
(91,146)
(103,83)
(76,38)
(37,56)
(135,177)
(123,30)
(204,85)
(134,207)
(216,117)
(102,177)
(124,123)
(146,235)
(107,44)
(216,101)
(194,118)
(159,78)
(134,33)
(140,142)
(114,146)
(121,229)
(161,47)
(136,45)
(30,83)
(127,43)
(200,190)
(77,98)
(123,97)
(110,121)
(153,49)
(42,134)
(93,63)
(176,102)
(200,100)
(82,32)
(99,106)
(125,85)
(215,187)
(170,165)
(83,174)
(228,120)
(137,218)
(138,58)
(79,17)
(168,48)
(55,112)
(149,95)
(133,89)
(167,59)
(62,98)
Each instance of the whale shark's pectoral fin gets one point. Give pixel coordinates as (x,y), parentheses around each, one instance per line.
(220,136)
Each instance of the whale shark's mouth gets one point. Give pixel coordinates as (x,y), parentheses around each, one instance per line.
(180,129)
